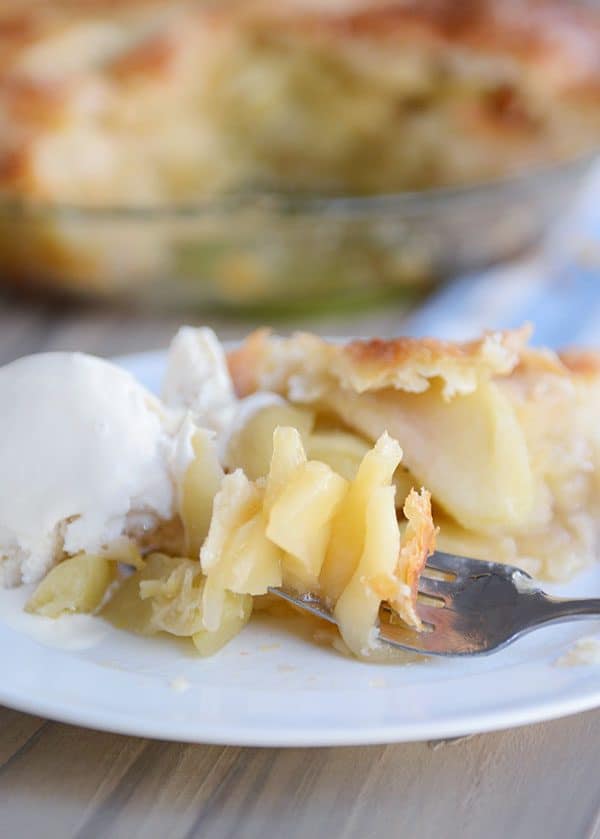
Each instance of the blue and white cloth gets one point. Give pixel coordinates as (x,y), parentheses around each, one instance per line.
(558,290)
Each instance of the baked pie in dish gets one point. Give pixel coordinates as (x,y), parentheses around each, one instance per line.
(148,112)
(144,103)
(297,462)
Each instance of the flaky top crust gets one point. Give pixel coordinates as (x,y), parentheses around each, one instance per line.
(540,31)
(561,39)
(585,363)
(304,365)
(116,43)
(546,33)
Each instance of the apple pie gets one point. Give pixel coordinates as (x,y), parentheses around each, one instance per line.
(142,102)
(334,470)
(117,117)
(504,436)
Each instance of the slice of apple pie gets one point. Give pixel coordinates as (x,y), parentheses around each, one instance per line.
(506,437)
(264,494)
(301,462)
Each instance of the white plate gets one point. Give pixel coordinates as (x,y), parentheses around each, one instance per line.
(269,687)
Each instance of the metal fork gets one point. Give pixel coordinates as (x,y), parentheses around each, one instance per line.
(468,607)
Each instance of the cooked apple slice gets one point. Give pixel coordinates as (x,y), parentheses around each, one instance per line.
(126,609)
(251,447)
(166,596)
(288,456)
(200,484)
(250,563)
(77,584)
(341,450)
(357,608)
(348,530)
(237,555)
(300,518)
(176,598)
(388,570)
(235,614)
(469,451)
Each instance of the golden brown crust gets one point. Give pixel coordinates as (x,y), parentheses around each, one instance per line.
(154,57)
(537,361)
(566,363)
(418,544)
(304,364)
(245,362)
(30,23)
(543,33)
(581,362)
(82,81)
(101,105)
(377,364)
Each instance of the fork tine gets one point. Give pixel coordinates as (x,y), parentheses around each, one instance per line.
(444,636)
(460,566)
(430,614)
(443,589)
(402,636)
(308,604)
(437,642)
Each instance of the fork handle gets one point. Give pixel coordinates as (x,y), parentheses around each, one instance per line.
(565,608)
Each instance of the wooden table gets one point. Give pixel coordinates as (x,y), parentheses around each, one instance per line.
(60,781)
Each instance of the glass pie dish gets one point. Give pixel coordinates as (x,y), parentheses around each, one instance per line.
(256,251)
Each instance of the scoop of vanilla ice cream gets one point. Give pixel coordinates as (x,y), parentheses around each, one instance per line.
(86,454)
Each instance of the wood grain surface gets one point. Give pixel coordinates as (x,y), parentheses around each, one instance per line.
(62,781)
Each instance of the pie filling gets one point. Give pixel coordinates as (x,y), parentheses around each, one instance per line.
(300,524)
